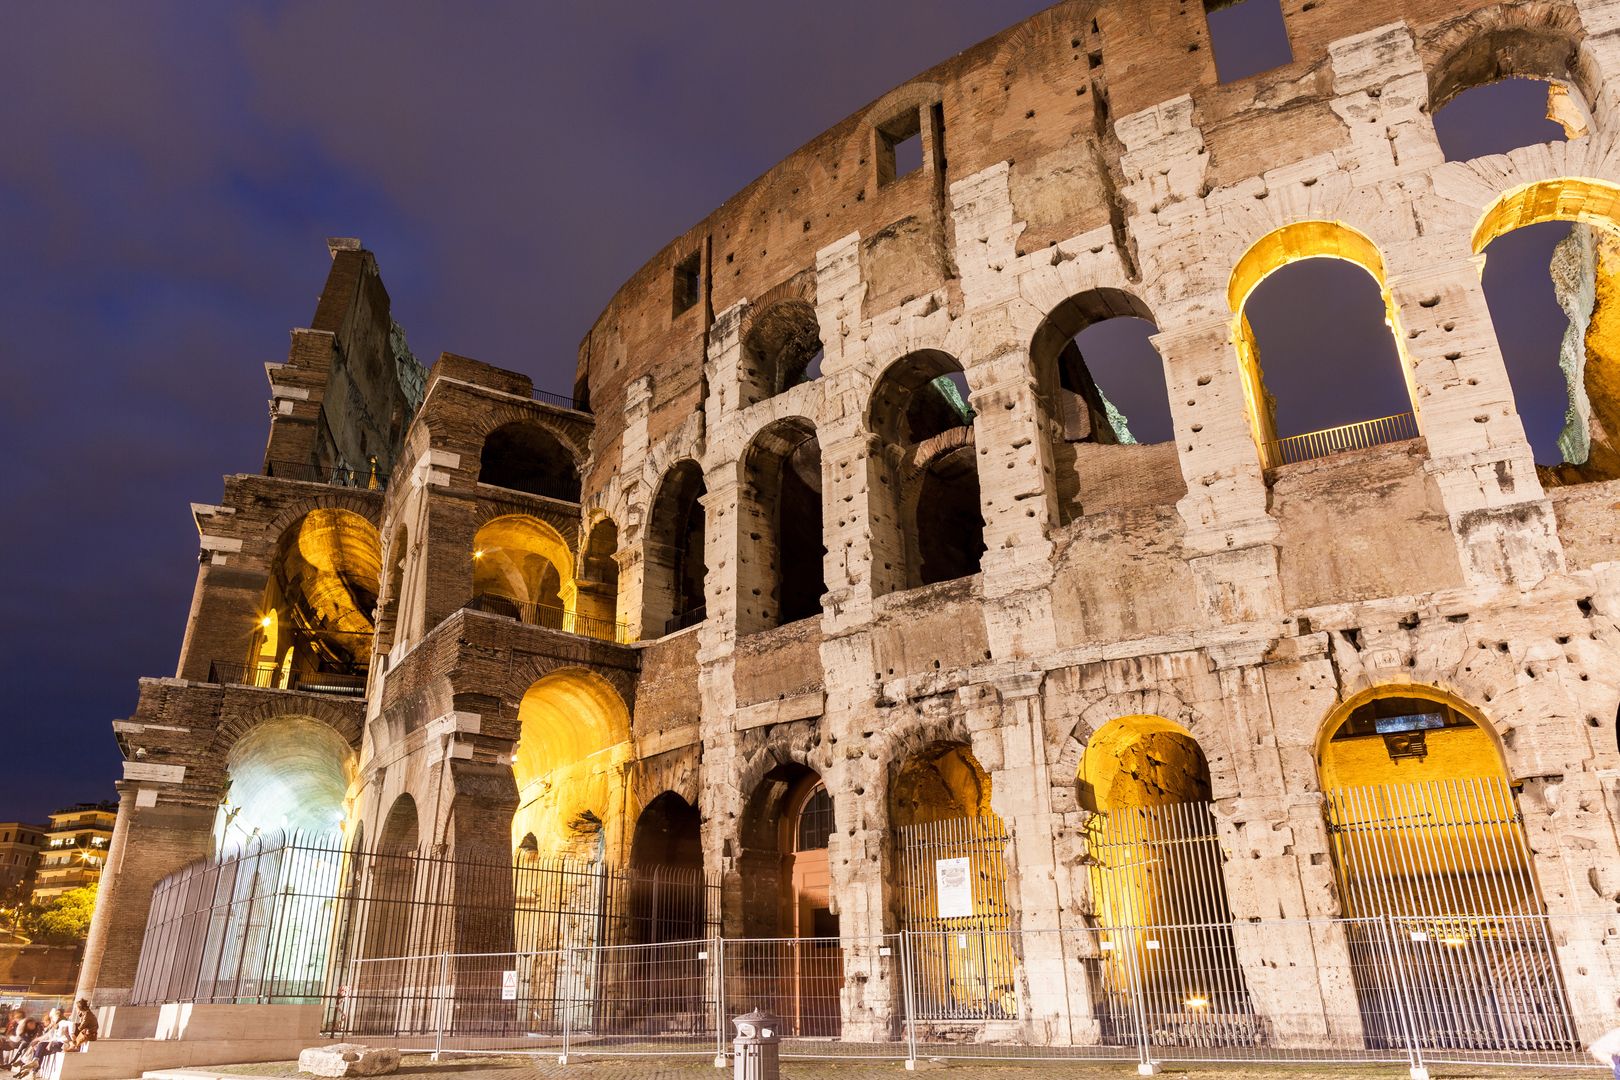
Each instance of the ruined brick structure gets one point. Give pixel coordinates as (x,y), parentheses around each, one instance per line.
(585,618)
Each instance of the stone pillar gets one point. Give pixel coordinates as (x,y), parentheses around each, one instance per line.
(152,838)
(1230,539)
(1478,454)
(224,616)
(1009,724)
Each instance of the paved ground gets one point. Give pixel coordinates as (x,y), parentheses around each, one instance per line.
(518,1068)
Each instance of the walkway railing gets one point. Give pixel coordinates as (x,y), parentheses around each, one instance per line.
(552,617)
(1334,440)
(269,677)
(1464,993)
(336,475)
(562,401)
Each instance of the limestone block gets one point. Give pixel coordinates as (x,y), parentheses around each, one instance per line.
(349,1059)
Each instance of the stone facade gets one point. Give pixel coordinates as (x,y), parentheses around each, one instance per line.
(1085,163)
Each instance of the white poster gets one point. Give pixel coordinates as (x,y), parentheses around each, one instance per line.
(508,986)
(953,881)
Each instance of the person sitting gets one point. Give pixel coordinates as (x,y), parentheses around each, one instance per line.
(85,1026)
(57,1030)
(19,1037)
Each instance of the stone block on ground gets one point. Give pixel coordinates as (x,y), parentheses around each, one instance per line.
(349,1059)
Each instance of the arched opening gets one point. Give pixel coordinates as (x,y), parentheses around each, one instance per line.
(391,886)
(1107,413)
(1431,860)
(1337,377)
(951,885)
(781,350)
(666,853)
(926,522)
(787,893)
(523,456)
(673,585)
(573,742)
(315,629)
(1511,86)
(393,613)
(1158,884)
(522,568)
(1552,267)
(783,570)
(287,775)
(596,611)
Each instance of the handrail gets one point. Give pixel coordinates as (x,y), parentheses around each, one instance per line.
(562,401)
(268,677)
(1334,440)
(551,617)
(338,476)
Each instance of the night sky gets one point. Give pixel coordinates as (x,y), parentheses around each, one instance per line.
(171,172)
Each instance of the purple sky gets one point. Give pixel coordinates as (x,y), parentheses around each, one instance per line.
(172,170)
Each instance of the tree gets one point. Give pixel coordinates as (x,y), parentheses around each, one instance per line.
(62,920)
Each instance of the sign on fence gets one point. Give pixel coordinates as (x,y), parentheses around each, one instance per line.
(953,884)
(509,986)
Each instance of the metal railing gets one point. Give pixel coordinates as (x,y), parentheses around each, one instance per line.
(562,401)
(269,677)
(1358,436)
(690,617)
(284,918)
(1142,994)
(552,617)
(329,474)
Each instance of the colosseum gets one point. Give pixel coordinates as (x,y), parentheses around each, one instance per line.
(837,602)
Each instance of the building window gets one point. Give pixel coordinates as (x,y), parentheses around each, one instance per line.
(899,147)
(815,821)
(688,278)
(1247,37)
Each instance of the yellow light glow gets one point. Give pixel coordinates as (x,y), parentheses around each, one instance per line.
(1568,198)
(479,554)
(266,622)
(1197,1003)
(1455,942)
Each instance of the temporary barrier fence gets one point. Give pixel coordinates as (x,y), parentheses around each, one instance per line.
(1405,991)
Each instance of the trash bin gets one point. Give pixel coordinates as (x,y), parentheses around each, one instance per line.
(757,1049)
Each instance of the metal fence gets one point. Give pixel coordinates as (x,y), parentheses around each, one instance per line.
(1358,436)
(1302,995)
(338,475)
(284,918)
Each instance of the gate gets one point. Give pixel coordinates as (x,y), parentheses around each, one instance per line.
(953,901)
(1160,867)
(1442,870)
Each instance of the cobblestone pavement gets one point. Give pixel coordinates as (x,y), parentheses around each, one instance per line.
(655,1068)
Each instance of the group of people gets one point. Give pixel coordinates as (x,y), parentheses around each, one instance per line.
(28,1041)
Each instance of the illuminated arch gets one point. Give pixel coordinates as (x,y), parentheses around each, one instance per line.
(287,774)
(940,781)
(1111,767)
(569,762)
(523,567)
(1478,753)
(319,602)
(1269,254)
(1565,198)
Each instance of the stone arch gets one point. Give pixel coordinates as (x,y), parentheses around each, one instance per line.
(1152,702)
(523,455)
(1309,239)
(781,551)
(288,774)
(673,556)
(256,709)
(337,499)
(1402,689)
(569,764)
(572,433)
(1507,41)
(523,567)
(597,577)
(781,344)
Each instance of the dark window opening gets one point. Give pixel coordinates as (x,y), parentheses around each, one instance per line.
(526,457)
(675,575)
(1503,116)
(950,530)
(1247,37)
(688,280)
(899,147)
(786,564)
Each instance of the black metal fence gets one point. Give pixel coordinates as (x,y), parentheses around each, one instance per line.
(552,617)
(340,476)
(286,918)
